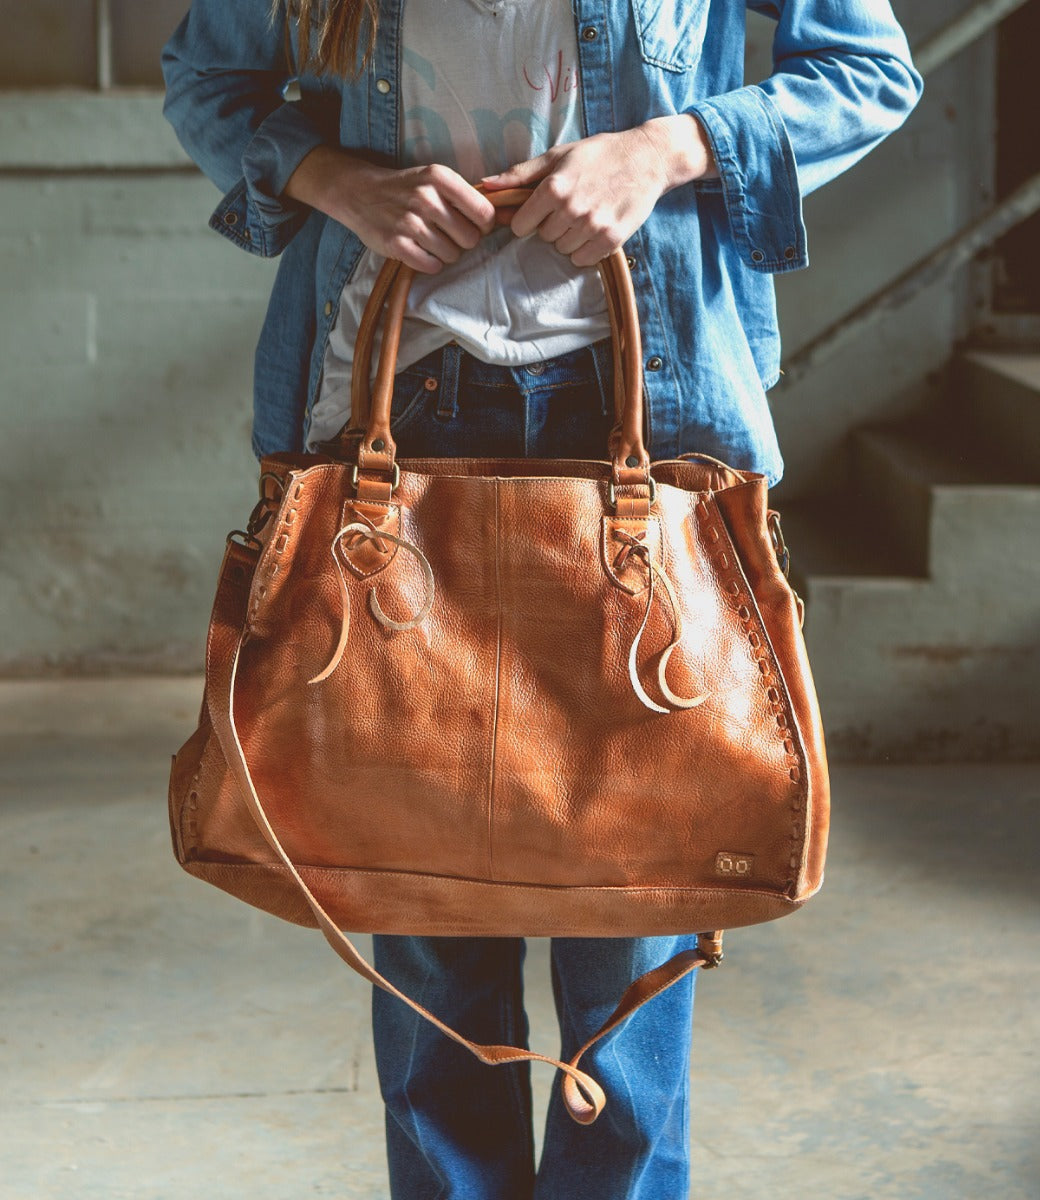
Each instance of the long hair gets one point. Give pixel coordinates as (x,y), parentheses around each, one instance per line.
(345,33)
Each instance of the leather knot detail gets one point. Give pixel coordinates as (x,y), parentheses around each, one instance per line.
(358,538)
(635,544)
(622,561)
(361,532)
(629,542)
(366,555)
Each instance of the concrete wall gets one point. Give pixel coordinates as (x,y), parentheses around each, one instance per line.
(128,331)
(126,388)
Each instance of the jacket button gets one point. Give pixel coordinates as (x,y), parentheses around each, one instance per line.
(328,308)
(655,363)
(590,33)
(631,262)
(230,218)
(789,253)
(383,86)
(757,256)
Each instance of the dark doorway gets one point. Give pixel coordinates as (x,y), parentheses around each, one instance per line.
(1017,282)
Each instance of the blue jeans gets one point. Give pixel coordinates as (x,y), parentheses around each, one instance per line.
(457,1129)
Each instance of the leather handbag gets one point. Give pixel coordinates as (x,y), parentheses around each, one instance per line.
(507,697)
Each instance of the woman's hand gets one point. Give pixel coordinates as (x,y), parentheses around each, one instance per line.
(425,216)
(592,195)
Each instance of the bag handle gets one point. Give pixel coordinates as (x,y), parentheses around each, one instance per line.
(583,1096)
(361,392)
(376,451)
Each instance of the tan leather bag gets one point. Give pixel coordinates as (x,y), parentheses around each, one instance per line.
(507,697)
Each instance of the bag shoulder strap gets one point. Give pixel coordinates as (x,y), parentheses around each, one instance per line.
(583,1096)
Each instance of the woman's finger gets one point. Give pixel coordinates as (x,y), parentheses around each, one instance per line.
(540,205)
(453,224)
(463,200)
(594,251)
(416,245)
(521,174)
(436,242)
(571,239)
(557,224)
(414,256)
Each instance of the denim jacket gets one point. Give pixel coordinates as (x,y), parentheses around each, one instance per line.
(702,262)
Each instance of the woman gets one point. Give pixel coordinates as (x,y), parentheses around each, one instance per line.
(632,125)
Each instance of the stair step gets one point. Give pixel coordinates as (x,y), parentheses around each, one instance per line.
(921,578)
(940,498)
(916,669)
(833,536)
(999,402)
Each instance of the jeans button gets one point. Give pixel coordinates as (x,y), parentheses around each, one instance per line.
(537,368)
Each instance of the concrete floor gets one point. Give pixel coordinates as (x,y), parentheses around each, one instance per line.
(158,1039)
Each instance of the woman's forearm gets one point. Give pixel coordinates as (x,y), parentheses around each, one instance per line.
(322,178)
(683,145)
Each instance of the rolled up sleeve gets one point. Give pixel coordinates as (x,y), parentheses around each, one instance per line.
(842,81)
(225,68)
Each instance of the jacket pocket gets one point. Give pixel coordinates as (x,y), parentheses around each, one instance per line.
(671,32)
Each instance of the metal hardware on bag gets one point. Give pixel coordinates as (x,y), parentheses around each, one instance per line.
(279,483)
(260,515)
(395,477)
(783,555)
(242,538)
(264,508)
(710,947)
(612,493)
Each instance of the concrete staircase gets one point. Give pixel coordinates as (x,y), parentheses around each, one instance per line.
(922,580)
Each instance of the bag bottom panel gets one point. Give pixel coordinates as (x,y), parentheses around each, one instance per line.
(436,906)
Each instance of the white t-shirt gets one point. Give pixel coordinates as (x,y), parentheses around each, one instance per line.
(485,85)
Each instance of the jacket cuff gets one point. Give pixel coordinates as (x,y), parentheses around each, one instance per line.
(255,214)
(758,176)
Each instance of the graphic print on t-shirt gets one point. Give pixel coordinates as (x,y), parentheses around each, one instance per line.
(447,118)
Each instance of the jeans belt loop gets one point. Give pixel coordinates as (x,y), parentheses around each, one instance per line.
(448,393)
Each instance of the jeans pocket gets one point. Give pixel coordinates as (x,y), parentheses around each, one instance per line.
(411,394)
(671,35)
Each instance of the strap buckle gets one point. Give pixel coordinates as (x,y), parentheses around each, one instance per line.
(709,945)
(612,492)
(244,539)
(395,477)
(776,534)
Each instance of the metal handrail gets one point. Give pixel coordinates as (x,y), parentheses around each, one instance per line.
(103,43)
(970,25)
(964,29)
(1023,202)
